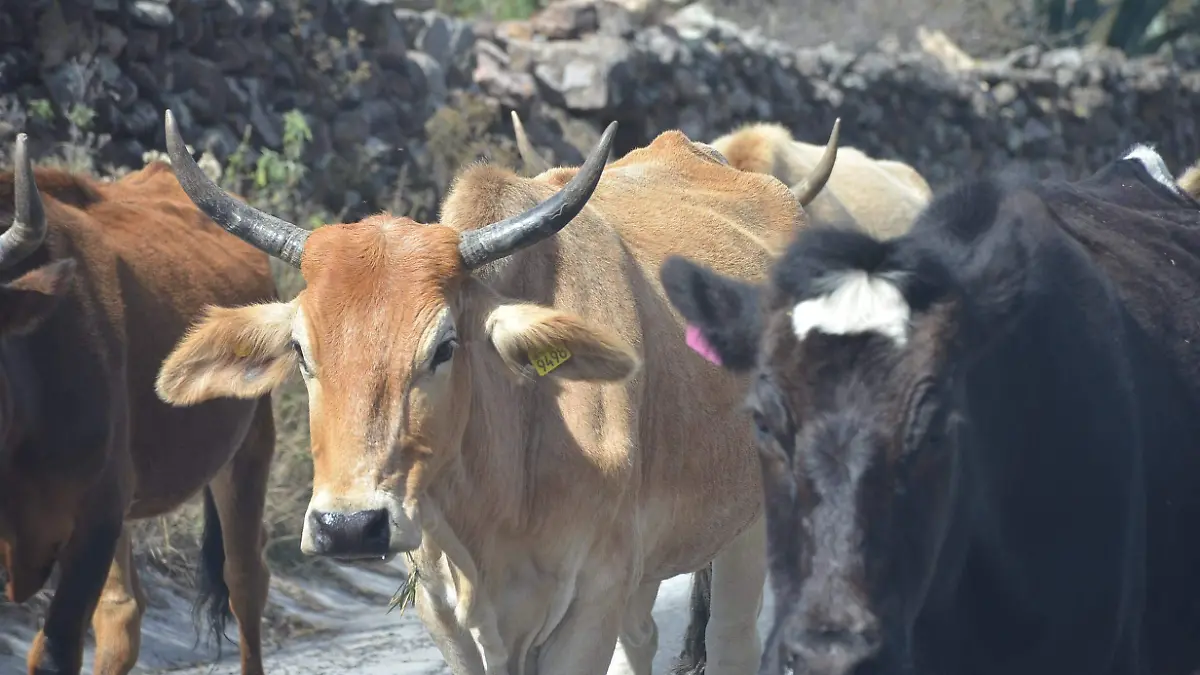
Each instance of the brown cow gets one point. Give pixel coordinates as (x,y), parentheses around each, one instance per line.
(514,406)
(879,196)
(864,183)
(96,289)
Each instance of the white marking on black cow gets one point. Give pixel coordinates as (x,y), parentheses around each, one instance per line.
(857,303)
(1154,164)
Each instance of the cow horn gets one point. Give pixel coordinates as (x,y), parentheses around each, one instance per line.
(807,189)
(493,242)
(28,229)
(265,232)
(534,163)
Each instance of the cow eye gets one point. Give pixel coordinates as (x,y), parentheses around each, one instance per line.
(300,359)
(444,352)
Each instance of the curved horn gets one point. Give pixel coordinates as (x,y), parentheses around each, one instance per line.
(534,163)
(493,242)
(807,189)
(265,232)
(28,229)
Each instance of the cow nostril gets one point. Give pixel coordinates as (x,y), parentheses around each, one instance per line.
(351,535)
(375,532)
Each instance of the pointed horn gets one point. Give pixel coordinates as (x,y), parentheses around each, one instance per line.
(498,240)
(534,163)
(807,189)
(274,236)
(28,229)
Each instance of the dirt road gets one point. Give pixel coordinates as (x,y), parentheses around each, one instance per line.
(337,624)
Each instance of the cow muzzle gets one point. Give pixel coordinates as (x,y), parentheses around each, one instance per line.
(833,652)
(376,533)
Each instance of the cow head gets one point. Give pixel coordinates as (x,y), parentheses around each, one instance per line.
(32,528)
(388,333)
(849,350)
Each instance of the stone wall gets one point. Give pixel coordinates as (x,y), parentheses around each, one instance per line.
(397,99)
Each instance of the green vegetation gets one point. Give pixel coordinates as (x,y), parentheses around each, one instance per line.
(497,9)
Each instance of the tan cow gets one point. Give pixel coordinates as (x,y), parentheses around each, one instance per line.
(1189,180)
(881,196)
(97,285)
(515,404)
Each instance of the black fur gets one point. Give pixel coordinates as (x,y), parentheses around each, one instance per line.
(725,310)
(693,656)
(1037,512)
(212,593)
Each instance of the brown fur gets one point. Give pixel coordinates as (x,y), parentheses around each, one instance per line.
(89,318)
(879,196)
(627,465)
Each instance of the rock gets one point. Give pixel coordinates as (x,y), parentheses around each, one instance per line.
(567,20)
(581,75)
(411,22)
(112,40)
(141,120)
(430,72)
(142,45)
(1004,93)
(492,74)
(151,13)
(182,113)
(225,65)
(269,127)
(204,80)
(219,140)
(435,38)
(57,39)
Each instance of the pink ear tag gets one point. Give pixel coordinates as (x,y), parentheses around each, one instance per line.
(701,346)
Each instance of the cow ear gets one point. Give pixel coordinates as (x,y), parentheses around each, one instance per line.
(29,299)
(237,352)
(723,315)
(538,341)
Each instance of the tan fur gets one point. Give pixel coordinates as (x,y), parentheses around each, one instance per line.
(125,267)
(880,196)
(519,330)
(1190,180)
(627,465)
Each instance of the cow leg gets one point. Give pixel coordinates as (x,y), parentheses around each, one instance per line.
(58,648)
(638,640)
(739,573)
(239,493)
(436,612)
(118,618)
(585,639)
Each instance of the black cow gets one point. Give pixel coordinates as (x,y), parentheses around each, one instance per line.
(980,441)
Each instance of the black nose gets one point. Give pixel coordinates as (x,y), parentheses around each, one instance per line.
(350,535)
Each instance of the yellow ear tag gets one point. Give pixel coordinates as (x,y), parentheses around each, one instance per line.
(242,350)
(549,359)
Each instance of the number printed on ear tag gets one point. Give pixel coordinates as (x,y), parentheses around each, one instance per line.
(549,359)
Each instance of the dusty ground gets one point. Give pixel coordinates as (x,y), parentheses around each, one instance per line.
(337,624)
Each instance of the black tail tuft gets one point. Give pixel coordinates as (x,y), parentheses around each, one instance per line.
(212,597)
(692,658)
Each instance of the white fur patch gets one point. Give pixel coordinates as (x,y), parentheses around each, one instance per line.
(858,303)
(1154,165)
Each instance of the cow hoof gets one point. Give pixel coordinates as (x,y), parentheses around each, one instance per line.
(687,668)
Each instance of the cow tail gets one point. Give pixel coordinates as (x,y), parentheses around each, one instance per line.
(693,655)
(212,597)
